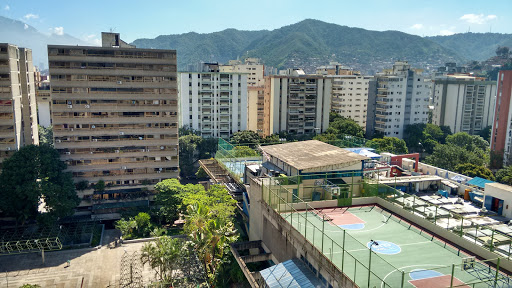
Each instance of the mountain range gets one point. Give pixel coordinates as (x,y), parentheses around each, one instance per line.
(23,35)
(306,44)
(311,43)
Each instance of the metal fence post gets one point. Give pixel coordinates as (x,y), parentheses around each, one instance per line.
(453,272)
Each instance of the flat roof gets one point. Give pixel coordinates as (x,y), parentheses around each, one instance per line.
(499,186)
(312,154)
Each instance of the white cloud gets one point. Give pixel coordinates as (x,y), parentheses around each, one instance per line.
(446,32)
(417,26)
(7,7)
(58,30)
(93,39)
(477,18)
(31,16)
(26,26)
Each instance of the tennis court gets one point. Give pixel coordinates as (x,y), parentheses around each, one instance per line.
(402,255)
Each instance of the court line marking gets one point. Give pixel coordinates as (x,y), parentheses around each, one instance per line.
(395,244)
(401,268)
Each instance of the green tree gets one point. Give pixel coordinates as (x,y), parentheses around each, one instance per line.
(486,133)
(211,234)
(189,153)
(341,125)
(245,137)
(30,286)
(504,175)
(99,186)
(468,142)
(168,199)
(447,156)
(164,256)
(243,151)
(389,144)
(135,227)
(473,170)
(32,175)
(45,135)
(201,173)
(82,185)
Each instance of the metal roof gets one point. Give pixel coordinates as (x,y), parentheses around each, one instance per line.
(480,182)
(312,154)
(291,274)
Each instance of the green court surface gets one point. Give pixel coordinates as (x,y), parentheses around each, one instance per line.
(405,255)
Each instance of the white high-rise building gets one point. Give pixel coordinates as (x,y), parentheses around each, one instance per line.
(463,102)
(350,96)
(402,98)
(255,84)
(213,102)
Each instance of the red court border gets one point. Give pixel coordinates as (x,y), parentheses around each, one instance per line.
(438,282)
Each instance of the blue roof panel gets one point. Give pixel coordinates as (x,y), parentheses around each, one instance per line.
(480,182)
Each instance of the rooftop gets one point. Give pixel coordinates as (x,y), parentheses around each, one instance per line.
(312,154)
(499,186)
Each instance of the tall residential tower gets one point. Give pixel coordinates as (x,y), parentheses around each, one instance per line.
(115,118)
(18,113)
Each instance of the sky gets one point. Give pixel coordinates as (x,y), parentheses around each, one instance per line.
(148,19)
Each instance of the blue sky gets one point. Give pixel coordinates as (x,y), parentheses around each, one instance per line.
(148,19)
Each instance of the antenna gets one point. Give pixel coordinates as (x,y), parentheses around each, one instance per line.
(112,29)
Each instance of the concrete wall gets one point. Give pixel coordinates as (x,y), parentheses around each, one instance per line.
(503,192)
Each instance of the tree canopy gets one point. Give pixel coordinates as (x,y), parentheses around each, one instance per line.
(424,137)
(473,170)
(389,144)
(35,175)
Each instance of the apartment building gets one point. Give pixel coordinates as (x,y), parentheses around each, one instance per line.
(43,100)
(115,118)
(213,102)
(402,98)
(350,97)
(255,89)
(501,135)
(464,103)
(296,103)
(18,113)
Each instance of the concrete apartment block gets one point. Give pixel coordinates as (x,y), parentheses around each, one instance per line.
(463,102)
(18,118)
(115,118)
(212,102)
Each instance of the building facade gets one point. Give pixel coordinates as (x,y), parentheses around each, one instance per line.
(18,115)
(403,97)
(501,135)
(255,85)
(464,103)
(350,97)
(297,103)
(212,102)
(115,120)
(43,100)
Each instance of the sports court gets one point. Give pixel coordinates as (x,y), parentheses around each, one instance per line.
(406,256)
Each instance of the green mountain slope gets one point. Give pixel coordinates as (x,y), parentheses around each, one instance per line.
(193,47)
(309,42)
(474,46)
(310,39)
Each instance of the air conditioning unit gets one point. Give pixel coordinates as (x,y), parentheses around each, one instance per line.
(121,133)
(67,153)
(162,147)
(70,106)
(95,140)
(159,172)
(119,82)
(71,129)
(123,167)
(9,148)
(58,140)
(142,150)
(92,126)
(87,106)
(117,151)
